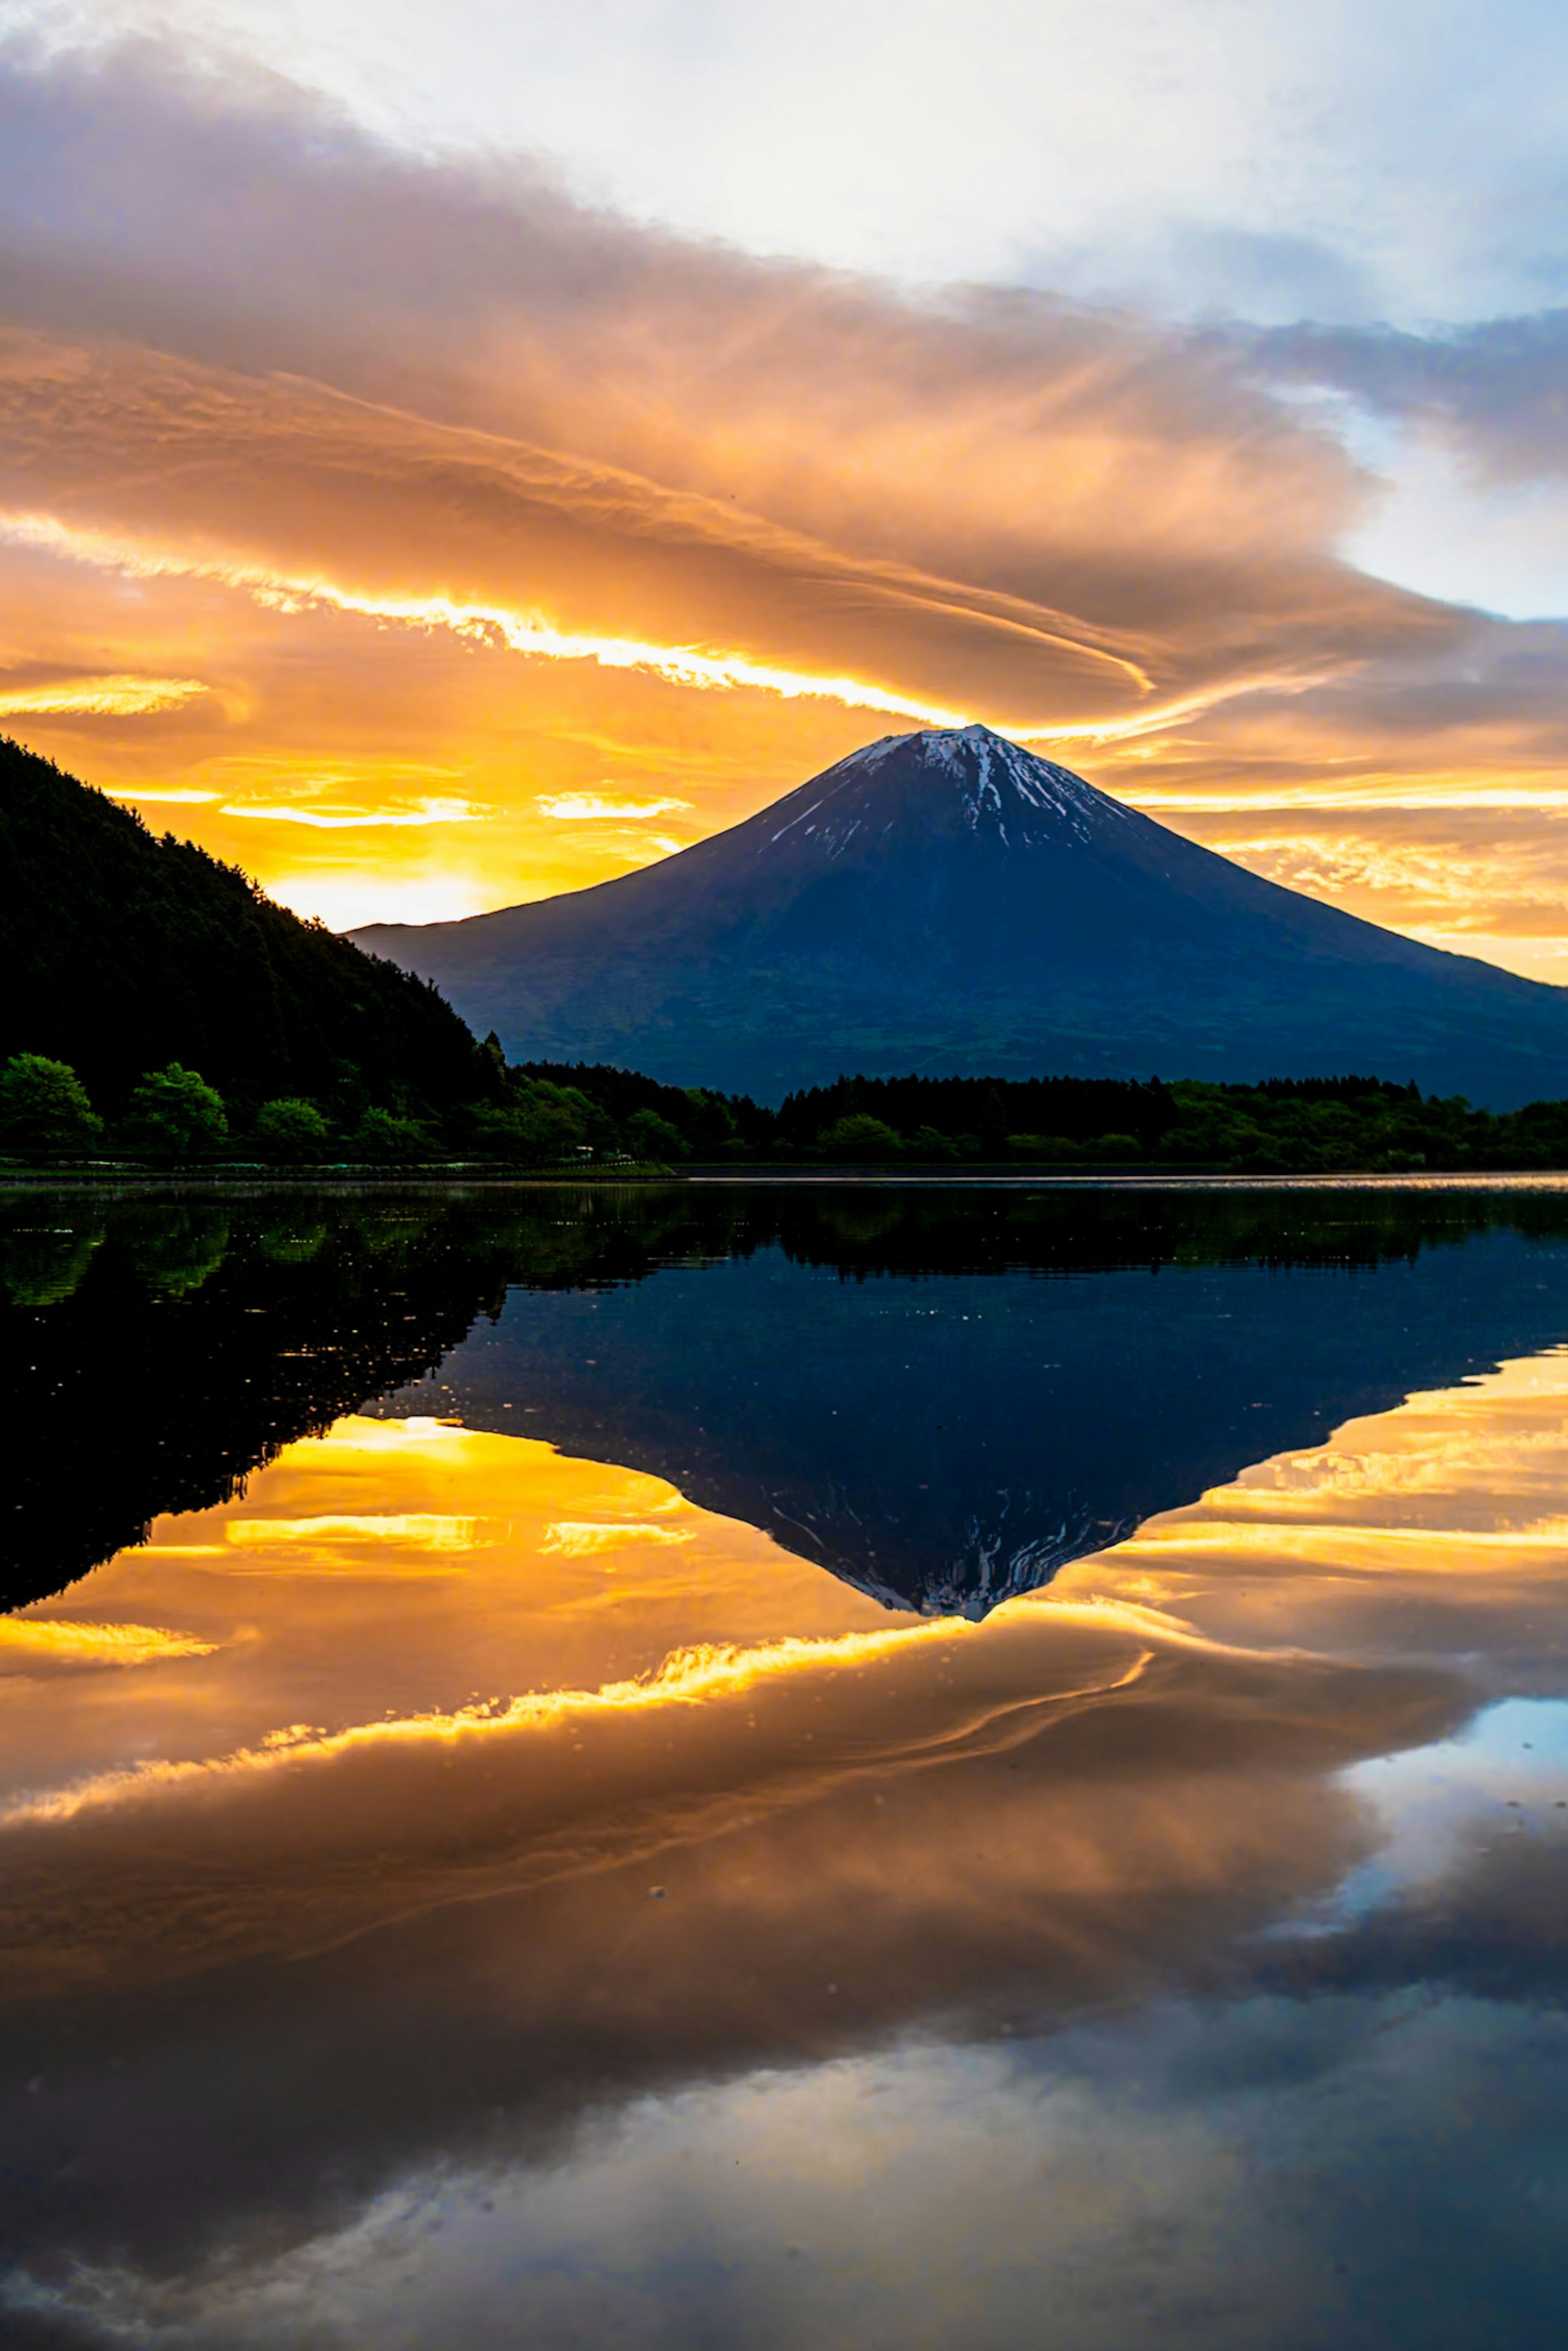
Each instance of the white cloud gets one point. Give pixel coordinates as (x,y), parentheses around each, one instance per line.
(577,807)
(1245,153)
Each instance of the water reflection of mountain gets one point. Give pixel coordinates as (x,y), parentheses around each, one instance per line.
(939,1394)
(944,1397)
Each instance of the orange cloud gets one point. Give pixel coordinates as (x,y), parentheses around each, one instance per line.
(98,697)
(420,467)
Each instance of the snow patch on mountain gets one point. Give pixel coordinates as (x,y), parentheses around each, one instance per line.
(1002,792)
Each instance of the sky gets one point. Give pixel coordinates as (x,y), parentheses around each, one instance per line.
(451,455)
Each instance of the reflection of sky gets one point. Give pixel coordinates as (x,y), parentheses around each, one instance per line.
(1259,2173)
(669,1930)
(1505,1775)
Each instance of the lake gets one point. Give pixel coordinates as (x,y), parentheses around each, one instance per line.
(785,1765)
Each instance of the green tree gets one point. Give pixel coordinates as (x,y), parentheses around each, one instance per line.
(1046,1149)
(291,1128)
(43,1107)
(711,1124)
(492,1133)
(929,1143)
(554,1121)
(174,1110)
(860,1136)
(649,1136)
(383,1134)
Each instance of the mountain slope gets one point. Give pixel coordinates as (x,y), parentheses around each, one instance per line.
(947,901)
(120,953)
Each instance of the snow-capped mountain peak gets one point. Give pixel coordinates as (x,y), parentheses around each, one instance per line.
(968,779)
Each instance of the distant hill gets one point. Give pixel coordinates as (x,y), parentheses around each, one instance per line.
(947,903)
(120,953)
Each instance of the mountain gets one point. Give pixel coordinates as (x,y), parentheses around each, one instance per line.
(120,953)
(949,902)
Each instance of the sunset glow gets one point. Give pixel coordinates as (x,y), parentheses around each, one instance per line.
(456,608)
(490,624)
(98,697)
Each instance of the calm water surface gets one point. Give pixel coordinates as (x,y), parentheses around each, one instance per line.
(888,1768)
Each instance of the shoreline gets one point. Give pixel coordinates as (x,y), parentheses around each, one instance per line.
(19,1183)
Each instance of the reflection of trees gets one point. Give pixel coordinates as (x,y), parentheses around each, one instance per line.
(932,1230)
(861,1220)
(598,1235)
(294,1242)
(41,1265)
(152,1357)
(175,1249)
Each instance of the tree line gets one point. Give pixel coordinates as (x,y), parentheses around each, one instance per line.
(551,1115)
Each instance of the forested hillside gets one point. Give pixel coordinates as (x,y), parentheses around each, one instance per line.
(120,953)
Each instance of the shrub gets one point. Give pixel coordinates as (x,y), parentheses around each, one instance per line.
(175,1110)
(44,1107)
(291,1129)
(860,1136)
(1116,1147)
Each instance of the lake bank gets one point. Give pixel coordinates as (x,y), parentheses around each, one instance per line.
(127,1182)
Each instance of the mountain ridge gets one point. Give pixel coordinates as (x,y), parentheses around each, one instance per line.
(949,901)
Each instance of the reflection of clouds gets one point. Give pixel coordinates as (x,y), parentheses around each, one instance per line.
(29,1641)
(1274,2171)
(1504,1776)
(371,1543)
(1095,1799)
(1490,1455)
(425,1529)
(1436,1530)
(686,1677)
(578,1538)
